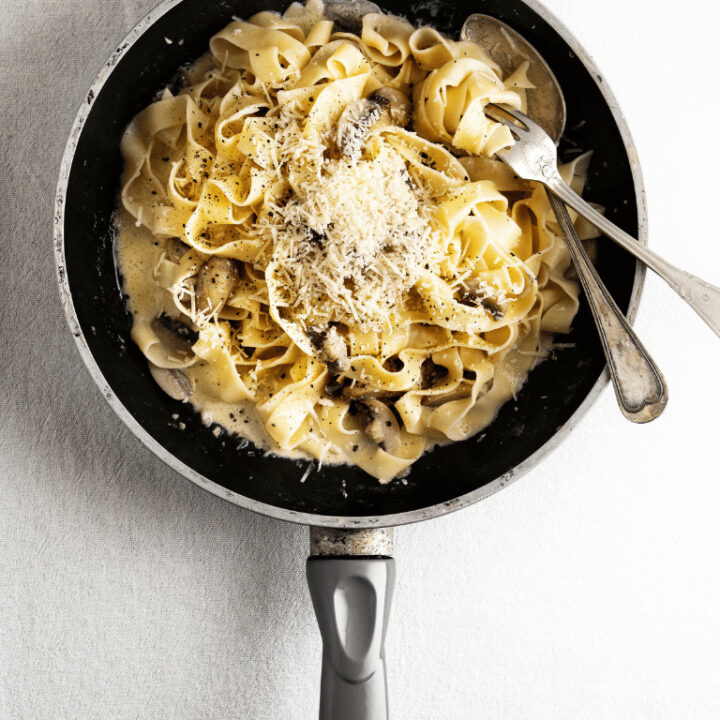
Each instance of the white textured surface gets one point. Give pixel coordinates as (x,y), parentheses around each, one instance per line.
(590,589)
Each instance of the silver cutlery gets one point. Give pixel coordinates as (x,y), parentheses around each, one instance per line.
(534,157)
(638,383)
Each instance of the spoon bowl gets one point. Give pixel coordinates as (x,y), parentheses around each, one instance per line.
(507,48)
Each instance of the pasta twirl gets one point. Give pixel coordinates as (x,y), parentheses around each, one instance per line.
(315,232)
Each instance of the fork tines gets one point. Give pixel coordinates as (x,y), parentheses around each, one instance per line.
(517,122)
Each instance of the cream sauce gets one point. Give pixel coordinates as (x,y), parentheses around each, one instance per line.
(138,254)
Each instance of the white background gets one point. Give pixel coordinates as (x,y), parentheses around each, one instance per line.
(589,589)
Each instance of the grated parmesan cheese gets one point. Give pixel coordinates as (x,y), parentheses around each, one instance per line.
(351,240)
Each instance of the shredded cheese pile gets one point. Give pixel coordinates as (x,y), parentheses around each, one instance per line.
(352,243)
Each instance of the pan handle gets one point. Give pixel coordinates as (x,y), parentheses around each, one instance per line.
(351,592)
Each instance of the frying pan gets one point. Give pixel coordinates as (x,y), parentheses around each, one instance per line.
(352,515)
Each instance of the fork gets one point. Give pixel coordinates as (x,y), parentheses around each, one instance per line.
(534,157)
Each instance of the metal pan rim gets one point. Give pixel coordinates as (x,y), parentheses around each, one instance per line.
(279,513)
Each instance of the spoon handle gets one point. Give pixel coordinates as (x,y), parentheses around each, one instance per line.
(639,385)
(700,295)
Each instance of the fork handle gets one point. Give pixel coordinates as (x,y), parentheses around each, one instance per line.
(700,295)
(638,383)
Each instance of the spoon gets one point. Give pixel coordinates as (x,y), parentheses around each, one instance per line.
(638,383)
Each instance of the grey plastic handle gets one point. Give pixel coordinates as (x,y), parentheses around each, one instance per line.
(352,598)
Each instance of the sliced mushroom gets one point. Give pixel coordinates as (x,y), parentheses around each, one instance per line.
(496,312)
(215,283)
(395,103)
(175,250)
(331,347)
(173,382)
(380,424)
(482,294)
(177,337)
(359,117)
(354,126)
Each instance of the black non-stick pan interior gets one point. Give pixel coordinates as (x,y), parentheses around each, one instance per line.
(553,391)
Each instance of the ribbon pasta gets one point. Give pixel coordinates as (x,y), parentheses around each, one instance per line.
(328,239)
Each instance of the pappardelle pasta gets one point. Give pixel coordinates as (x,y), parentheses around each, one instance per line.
(319,249)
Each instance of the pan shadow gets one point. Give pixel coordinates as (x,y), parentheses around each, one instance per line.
(163,594)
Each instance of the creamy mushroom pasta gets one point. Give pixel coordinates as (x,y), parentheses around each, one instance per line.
(321,253)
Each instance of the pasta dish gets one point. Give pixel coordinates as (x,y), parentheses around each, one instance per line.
(321,252)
